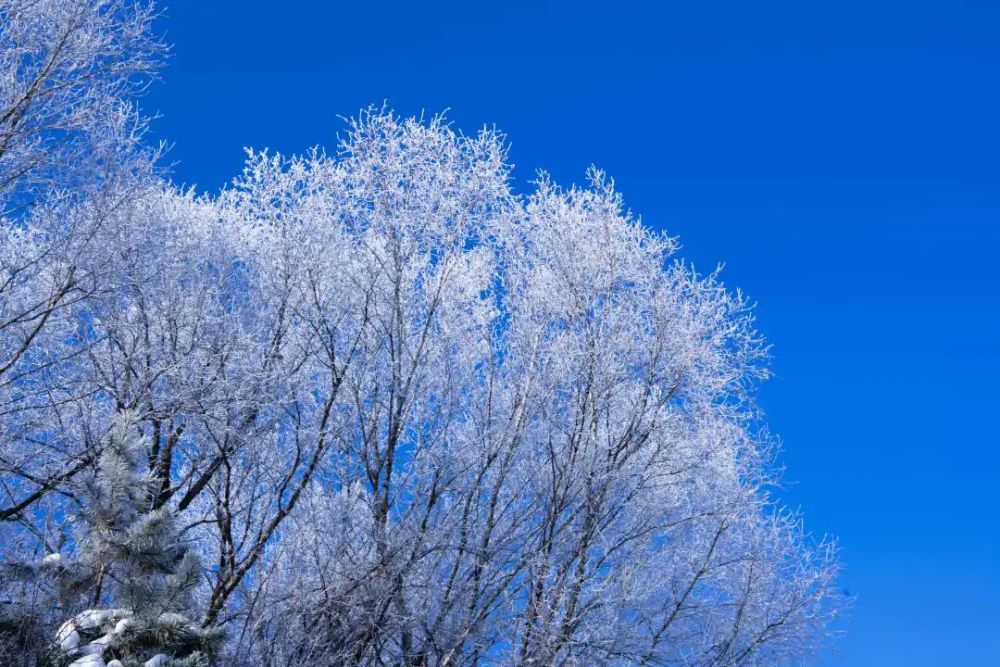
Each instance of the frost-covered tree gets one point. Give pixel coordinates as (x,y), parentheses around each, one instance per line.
(402,414)
(409,417)
(536,434)
(71,154)
(68,69)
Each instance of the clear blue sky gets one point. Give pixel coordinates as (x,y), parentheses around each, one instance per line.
(841,158)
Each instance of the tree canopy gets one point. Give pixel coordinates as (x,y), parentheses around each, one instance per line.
(368,408)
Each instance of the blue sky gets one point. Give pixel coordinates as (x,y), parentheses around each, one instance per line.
(843,161)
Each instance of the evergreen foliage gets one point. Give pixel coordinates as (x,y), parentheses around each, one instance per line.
(142,572)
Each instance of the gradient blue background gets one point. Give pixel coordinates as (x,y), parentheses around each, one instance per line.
(842,160)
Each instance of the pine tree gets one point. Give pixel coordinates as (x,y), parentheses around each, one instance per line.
(140,573)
